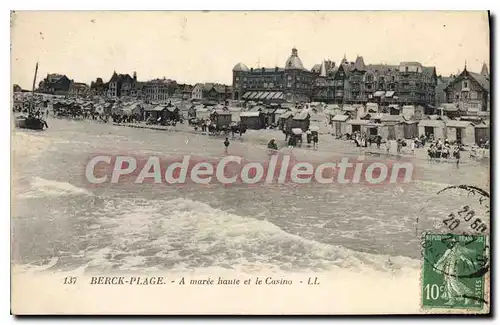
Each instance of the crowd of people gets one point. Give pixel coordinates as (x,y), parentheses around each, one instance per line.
(443,149)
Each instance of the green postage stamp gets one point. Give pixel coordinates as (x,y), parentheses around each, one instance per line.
(454,270)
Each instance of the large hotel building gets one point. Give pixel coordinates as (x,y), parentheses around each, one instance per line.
(407,83)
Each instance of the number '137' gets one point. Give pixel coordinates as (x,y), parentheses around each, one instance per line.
(70,280)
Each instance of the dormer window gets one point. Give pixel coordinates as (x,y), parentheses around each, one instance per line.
(465,84)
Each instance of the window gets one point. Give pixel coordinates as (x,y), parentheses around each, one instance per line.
(406,69)
(465,84)
(473,95)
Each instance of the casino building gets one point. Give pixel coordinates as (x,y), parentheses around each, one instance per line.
(292,83)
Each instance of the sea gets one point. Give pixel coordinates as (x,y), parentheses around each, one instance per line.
(60,223)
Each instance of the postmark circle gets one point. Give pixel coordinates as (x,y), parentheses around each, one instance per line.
(457,209)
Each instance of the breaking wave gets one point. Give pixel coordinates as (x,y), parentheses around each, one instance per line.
(183,235)
(40,187)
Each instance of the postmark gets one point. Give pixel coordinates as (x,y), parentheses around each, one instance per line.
(457,209)
(454,270)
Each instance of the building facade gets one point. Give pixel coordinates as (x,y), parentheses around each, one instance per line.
(184,91)
(78,89)
(469,92)
(409,83)
(54,83)
(121,85)
(158,90)
(293,82)
(211,91)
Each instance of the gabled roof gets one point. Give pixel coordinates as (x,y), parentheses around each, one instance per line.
(54,77)
(359,64)
(482,80)
(341,69)
(120,78)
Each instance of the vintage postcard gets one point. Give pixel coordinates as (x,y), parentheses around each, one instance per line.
(250,162)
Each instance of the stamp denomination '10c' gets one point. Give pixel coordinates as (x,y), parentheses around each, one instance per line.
(454,269)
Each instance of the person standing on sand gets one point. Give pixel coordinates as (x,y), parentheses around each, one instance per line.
(456,154)
(226,143)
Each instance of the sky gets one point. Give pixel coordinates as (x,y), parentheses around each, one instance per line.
(193,47)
